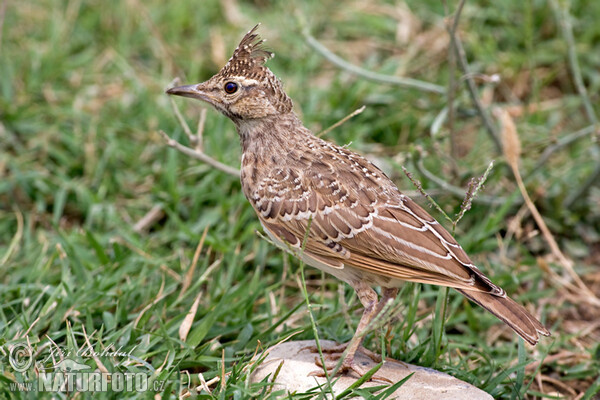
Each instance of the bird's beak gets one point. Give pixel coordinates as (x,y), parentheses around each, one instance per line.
(193,91)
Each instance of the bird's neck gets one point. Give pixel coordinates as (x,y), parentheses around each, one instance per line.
(268,143)
(264,137)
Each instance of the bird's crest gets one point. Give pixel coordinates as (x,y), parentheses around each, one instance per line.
(249,58)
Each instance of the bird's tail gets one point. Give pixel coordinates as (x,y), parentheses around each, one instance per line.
(511,313)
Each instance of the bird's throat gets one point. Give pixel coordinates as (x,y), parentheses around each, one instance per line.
(270,135)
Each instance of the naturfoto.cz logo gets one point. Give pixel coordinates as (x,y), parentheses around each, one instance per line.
(70,376)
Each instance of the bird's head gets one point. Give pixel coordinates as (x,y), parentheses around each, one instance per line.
(244,89)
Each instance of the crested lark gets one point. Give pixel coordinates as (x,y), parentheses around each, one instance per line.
(358,226)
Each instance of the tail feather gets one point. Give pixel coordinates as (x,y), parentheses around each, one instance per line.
(511,313)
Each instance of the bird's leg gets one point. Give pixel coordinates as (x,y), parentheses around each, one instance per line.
(388,294)
(368,298)
(367,318)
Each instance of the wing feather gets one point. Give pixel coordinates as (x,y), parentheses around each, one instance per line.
(370,227)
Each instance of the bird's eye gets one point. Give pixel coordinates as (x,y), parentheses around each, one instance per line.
(231,87)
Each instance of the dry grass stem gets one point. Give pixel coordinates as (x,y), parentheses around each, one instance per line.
(99,364)
(187,322)
(199,156)
(512,151)
(14,243)
(452,26)
(419,187)
(341,121)
(155,214)
(468,77)
(184,125)
(475,186)
(454,190)
(581,191)
(373,76)
(563,17)
(159,296)
(562,142)
(189,275)
(200,131)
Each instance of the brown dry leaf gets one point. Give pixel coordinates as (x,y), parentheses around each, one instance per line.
(187,322)
(511,145)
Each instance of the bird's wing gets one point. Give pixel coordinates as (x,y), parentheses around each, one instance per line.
(404,241)
(357,221)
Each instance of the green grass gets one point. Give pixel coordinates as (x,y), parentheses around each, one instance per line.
(81,162)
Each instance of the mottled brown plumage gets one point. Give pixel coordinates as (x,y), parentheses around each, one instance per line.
(361,228)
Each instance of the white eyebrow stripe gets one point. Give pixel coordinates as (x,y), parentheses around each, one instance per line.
(244,81)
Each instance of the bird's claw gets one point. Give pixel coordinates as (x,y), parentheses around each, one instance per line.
(332,356)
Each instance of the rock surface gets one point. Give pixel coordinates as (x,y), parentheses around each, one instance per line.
(299,362)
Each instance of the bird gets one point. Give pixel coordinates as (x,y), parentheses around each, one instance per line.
(335,210)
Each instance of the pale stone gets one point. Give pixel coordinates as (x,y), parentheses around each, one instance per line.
(299,361)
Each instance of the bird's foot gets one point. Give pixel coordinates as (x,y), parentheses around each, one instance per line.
(349,364)
(336,352)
